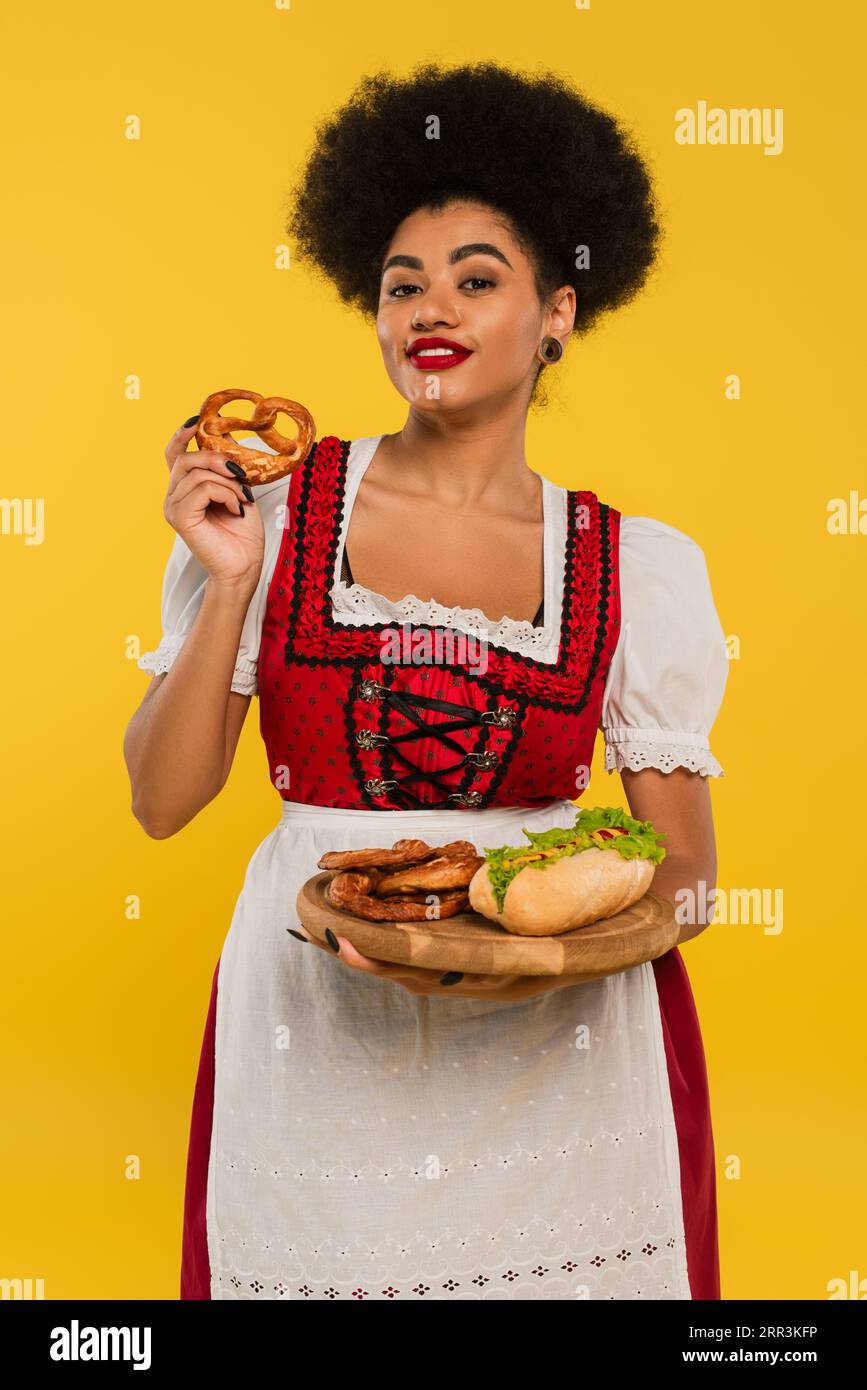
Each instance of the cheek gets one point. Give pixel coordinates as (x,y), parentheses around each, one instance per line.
(391,334)
(383,336)
(514,337)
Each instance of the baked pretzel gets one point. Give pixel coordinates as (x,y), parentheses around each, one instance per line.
(402,852)
(451,868)
(352,891)
(214,431)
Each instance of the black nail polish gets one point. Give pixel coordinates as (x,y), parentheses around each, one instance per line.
(451,977)
(296,933)
(192,420)
(332,940)
(235,468)
(247,493)
(241,507)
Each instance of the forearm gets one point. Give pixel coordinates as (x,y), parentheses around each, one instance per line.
(678,805)
(686,882)
(175,745)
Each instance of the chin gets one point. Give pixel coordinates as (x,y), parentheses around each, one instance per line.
(451,404)
(452,394)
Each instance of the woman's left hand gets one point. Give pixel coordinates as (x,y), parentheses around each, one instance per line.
(506,988)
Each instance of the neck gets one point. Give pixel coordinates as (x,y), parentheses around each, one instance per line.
(462,464)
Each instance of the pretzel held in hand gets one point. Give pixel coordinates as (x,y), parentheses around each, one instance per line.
(214,431)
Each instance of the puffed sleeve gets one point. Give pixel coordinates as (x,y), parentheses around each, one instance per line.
(184,582)
(667,677)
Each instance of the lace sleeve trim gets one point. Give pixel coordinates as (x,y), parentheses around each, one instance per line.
(664,749)
(244,680)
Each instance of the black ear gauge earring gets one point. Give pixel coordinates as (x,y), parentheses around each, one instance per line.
(551,349)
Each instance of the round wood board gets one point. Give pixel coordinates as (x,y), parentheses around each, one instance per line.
(475,945)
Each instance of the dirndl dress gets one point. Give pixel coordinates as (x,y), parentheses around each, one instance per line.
(350,1140)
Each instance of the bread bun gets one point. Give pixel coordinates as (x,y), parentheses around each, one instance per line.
(569,892)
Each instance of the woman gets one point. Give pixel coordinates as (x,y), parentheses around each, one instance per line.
(364,1130)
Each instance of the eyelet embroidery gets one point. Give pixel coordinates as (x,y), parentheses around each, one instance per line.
(626,1253)
(163,658)
(664,756)
(512,634)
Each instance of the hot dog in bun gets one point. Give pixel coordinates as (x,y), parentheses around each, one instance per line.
(567,878)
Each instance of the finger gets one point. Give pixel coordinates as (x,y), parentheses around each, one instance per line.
(386,970)
(185,482)
(180,439)
(434,984)
(414,979)
(178,451)
(302,935)
(311,940)
(433,981)
(196,502)
(325,945)
(477,984)
(351,956)
(209,460)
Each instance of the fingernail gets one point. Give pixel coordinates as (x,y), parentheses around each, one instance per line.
(451,977)
(235,468)
(192,420)
(332,940)
(296,933)
(241,508)
(247,493)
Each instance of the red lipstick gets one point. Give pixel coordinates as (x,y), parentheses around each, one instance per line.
(437,354)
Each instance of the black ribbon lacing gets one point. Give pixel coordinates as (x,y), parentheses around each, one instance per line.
(404,701)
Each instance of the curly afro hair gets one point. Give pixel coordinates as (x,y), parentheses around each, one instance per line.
(531,147)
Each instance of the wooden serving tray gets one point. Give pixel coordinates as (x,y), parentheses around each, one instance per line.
(475,945)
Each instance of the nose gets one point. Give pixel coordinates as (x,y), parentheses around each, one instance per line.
(434,308)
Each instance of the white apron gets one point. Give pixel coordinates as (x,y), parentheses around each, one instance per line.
(369,1143)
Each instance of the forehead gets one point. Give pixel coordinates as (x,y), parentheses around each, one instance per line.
(442,229)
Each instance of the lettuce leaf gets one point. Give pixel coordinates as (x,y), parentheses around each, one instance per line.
(640,841)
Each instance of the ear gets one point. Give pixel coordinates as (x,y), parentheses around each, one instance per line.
(560,318)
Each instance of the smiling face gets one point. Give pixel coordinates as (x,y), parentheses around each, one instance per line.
(457,276)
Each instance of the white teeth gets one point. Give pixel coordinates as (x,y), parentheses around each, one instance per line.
(436,352)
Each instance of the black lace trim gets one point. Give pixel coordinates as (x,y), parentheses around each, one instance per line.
(604,596)
(301,520)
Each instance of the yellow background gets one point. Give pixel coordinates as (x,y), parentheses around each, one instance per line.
(156,257)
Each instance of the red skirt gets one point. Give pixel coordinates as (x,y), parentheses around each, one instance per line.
(687,1077)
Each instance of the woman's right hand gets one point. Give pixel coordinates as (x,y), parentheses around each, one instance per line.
(206,505)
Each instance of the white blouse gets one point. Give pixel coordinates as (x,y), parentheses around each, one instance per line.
(667,677)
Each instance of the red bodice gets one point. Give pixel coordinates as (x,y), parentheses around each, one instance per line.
(387,716)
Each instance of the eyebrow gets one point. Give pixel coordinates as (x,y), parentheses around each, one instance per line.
(460,253)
